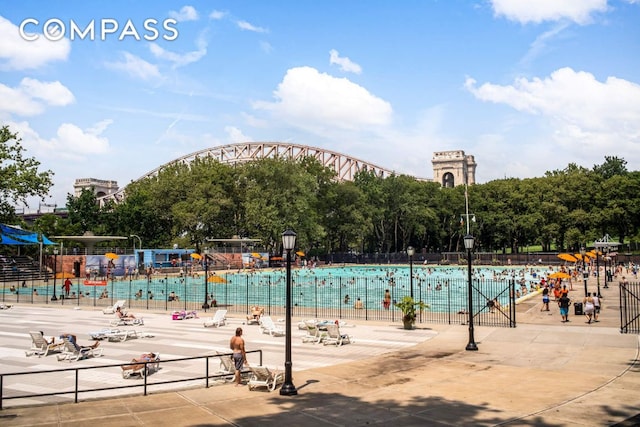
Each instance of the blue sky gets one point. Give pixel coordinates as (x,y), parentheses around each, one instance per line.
(524,86)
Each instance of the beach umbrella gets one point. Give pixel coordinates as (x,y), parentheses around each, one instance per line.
(256,255)
(216,279)
(111,255)
(567,257)
(560,275)
(300,253)
(195,256)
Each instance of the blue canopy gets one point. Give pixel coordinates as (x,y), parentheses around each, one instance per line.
(17,236)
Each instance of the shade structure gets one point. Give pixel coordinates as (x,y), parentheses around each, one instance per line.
(560,275)
(300,253)
(216,279)
(195,256)
(111,255)
(567,257)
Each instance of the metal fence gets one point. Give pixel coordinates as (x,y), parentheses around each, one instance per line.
(83,379)
(630,308)
(315,297)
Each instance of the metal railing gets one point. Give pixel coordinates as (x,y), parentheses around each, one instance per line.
(148,381)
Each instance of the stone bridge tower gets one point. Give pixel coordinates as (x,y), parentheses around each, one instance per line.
(453,168)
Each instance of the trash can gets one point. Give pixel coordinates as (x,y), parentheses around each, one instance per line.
(578,308)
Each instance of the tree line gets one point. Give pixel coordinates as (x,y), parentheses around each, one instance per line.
(186,204)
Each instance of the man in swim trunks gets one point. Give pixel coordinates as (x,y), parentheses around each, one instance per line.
(564,302)
(239,355)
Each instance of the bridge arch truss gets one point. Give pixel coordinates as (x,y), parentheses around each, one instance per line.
(345,167)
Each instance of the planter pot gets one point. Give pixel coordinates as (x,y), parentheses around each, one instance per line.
(408,324)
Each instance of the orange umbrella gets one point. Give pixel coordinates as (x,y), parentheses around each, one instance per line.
(196,256)
(111,255)
(300,253)
(216,279)
(586,257)
(567,257)
(560,274)
(65,275)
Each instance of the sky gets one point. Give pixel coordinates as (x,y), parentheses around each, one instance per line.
(524,86)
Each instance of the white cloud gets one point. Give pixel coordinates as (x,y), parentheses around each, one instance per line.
(187,13)
(217,15)
(70,142)
(19,54)
(309,99)
(24,100)
(136,67)
(578,11)
(235,135)
(244,25)
(581,108)
(345,63)
(180,60)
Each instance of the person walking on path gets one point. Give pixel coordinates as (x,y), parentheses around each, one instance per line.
(545,299)
(67,287)
(239,355)
(563,303)
(596,304)
(589,307)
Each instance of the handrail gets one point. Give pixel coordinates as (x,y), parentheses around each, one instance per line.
(76,391)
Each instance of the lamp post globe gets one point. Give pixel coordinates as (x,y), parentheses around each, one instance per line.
(411,251)
(468,244)
(55,271)
(205,259)
(288,389)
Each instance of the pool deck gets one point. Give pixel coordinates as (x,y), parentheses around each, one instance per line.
(543,373)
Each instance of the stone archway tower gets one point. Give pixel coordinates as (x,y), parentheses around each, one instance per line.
(453,168)
(100,187)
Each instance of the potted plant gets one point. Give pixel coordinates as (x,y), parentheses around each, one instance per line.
(409,307)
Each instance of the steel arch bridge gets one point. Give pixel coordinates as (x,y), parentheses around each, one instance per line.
(344,166)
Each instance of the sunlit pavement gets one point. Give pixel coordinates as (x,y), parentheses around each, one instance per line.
(543,372)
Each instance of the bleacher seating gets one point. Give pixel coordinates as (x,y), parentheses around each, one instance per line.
(19,267)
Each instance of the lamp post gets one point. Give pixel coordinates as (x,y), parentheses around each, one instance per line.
(134,247)
(205,306)
(468,244)
(410,252)
(584,269)
(288,389)
(55,268)
(605,250)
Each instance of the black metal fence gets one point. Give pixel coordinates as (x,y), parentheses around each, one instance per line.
(348,296)
(630,308)
(83,379)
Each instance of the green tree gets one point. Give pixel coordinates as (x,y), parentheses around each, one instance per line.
(19,175)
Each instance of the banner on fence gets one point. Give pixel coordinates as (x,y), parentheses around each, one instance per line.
(95,283)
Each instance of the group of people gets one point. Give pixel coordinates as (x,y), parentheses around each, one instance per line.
(591,303)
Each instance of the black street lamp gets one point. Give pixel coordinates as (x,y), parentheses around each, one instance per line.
(468,244)
(288,389)
(205,258)
(585,274)
(606,272)
(55,270)
(410,252)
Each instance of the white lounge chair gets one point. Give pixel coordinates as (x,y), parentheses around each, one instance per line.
(127,321)
(228,368)
(118,334)
(73,352)
(40,346)
(139,367)
(218,319)
(269,327)
(334,336)
(261,376)
(110,310)
(314,335)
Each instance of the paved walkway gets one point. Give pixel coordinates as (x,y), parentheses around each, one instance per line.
(543,373)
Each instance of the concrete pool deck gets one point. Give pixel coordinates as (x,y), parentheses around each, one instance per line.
(543,373)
